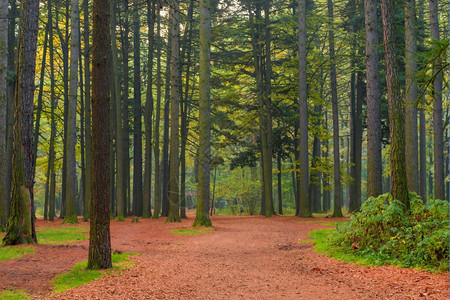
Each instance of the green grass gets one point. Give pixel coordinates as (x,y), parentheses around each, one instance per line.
(14,252)
(79,275)
(192,231)
(322,239)
(61,235)
(12,294)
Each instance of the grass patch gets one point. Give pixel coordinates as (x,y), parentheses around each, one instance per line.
(322,239)
(12,294)
(61,235)
(79,275)
(192,231)
(14,252)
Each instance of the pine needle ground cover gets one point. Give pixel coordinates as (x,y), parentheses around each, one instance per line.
(383,233)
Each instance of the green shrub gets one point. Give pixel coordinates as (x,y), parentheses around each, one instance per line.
(383,230)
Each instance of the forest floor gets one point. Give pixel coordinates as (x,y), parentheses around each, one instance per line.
(247,257)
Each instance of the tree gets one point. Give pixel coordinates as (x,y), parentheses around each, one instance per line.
(137,110)
(121,174)
(374,162)
(156,143)
(204,148)
(303,189)
(334,103)
(174,212)
(411,136)
(396,119)
(99,237)
(21,223)
(438,128)
(87,117)
(146,209)
(3,101)
(71,136)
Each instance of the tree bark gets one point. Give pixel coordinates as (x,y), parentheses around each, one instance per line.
(54,105)
(396,121)
(99,238)
(121,174)
(3,106)
(137,110)
(374,162)
(303,190)
(174,166)
(147,200)
(71,176)
(438,127)
(204,120)
(21,221)
(412,138)
(334,103)
(156,143)
(87,116)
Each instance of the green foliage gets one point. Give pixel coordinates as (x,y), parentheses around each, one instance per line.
(79,275)
(14,252)
(61,235)
(135,220)
(192,231)
(384,232)
(120,218)
(12,294)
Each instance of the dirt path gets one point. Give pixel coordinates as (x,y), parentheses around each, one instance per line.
(243,258)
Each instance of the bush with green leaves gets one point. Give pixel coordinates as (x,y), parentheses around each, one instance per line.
(383,230)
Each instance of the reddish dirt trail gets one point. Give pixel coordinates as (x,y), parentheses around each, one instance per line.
(243,258)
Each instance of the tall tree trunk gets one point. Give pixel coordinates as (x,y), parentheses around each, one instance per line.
(71,176)
(64,40)
(165,149)
(268,111)
(99,238)
(147,201)
(3,105)
(396,121)
(21,221)
(204,119)
(156,143)
(54,105)
(125,107)
(87,116)
(137,109)
(13,14)
(37,123)
(412,166)
(184,105)
(174,166)
(121,174)
(303,189)
(423,138)
(334,103)
(374,163)
(438,128)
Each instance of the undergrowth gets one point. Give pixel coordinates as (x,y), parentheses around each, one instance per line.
(14,252)
(61,235)
(13,294)
(79,275)
(383,233)
(192,231)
